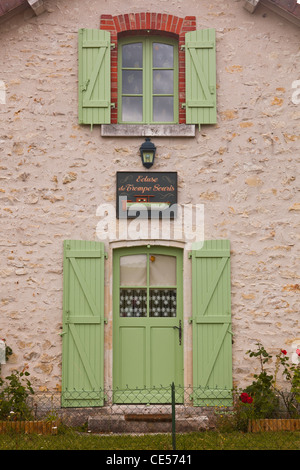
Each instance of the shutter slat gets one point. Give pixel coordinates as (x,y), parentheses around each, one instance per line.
(212,361)
(94,76)
(200,47)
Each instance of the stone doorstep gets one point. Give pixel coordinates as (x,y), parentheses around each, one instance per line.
(145,424)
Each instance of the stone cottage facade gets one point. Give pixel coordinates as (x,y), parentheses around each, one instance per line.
(69,262)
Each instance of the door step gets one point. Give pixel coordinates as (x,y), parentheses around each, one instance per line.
(145,423)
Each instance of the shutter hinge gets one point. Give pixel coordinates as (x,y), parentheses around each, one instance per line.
(105,255)
(105,321)
(183,105)
(113,105)
(191,320)
(63,333)
(183,47)
(112,45)
(190,254)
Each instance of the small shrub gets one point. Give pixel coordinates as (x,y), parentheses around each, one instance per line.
(14,391)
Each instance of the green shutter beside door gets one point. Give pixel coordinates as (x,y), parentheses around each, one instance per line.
(212,336)
(200,48)
(83,324)
(94,95)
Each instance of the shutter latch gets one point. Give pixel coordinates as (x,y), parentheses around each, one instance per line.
(85,85)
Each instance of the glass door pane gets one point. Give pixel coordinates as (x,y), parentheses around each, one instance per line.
(162,270)
(133,270)
(162,303)
(133,275)
(162,273)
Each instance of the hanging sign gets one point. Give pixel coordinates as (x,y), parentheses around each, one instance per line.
(146,195)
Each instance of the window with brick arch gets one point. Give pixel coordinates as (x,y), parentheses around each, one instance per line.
(144,26)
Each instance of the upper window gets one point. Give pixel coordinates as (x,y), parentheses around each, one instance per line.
(148,80)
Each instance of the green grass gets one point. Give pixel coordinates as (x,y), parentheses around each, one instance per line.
(208,440)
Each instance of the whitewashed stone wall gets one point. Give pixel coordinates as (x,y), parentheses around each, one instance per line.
(54,174)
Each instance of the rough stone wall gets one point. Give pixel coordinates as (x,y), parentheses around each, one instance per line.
(54,173)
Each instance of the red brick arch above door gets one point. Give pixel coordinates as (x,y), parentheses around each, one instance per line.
(139,23)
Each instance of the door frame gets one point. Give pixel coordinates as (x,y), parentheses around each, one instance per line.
(143,396)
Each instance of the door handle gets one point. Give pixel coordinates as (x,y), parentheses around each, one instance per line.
(180,331)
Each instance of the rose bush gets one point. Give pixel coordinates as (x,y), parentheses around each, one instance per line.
(269,398)
(264,397)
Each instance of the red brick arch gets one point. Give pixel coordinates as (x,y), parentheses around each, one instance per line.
(139,23)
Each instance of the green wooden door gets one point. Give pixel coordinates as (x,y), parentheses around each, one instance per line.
(212,336)
(83,324)
(148,324)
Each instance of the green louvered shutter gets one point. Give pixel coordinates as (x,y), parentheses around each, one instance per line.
(212,336)
(83,324)
(94,76)
(200,47)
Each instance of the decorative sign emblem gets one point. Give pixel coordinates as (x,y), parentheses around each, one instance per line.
(146,195)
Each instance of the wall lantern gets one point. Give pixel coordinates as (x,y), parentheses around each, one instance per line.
(147,150)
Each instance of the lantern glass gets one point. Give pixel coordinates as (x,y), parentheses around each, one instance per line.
(148,157)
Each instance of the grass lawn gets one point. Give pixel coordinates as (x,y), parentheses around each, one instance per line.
(208,440)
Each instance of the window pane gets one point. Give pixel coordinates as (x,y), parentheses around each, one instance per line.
(132,109)
(132,82)
(163,109)
(162,303)
(162,270)
(133,270)
(133,303)
(162,55)
(163,82)
(132,55)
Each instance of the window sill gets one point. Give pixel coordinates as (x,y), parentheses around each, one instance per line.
(148,130)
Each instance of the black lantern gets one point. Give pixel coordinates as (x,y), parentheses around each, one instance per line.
(147,150)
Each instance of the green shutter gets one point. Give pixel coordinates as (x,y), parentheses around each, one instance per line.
(94,76)
(83,324)
(212,336)
(200,47)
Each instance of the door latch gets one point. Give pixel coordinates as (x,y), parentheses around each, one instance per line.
(180,331)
